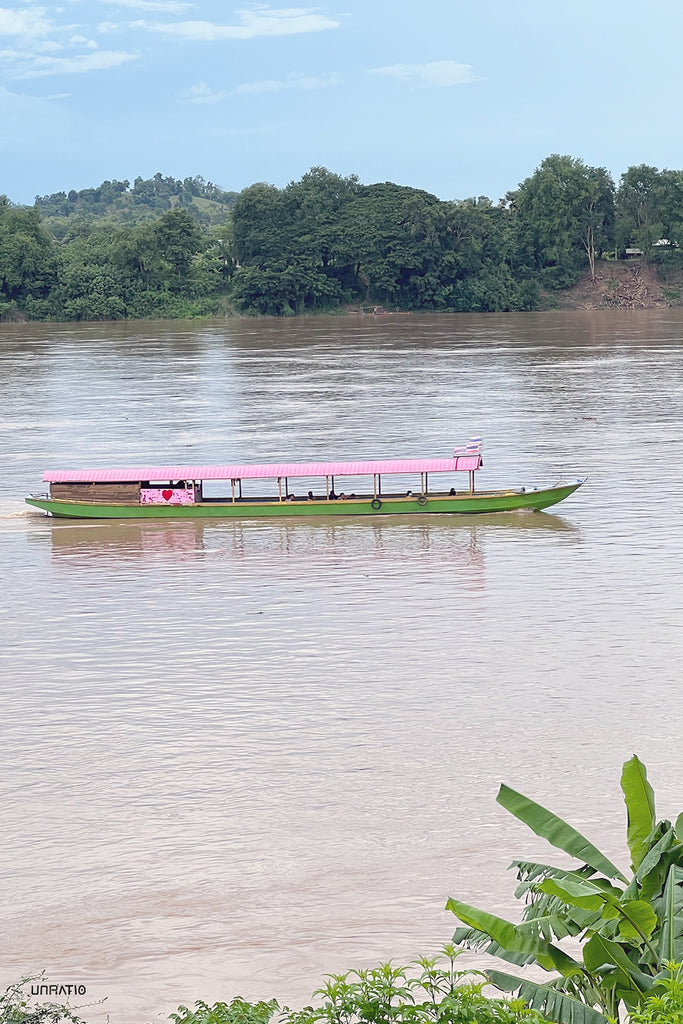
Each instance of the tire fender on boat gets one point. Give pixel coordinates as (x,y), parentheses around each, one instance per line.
(376,504)
(422,500)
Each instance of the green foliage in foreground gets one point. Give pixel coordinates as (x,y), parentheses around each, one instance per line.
(427,990)
(238,1011)
(629,925)
(15,1008)
(666,1008)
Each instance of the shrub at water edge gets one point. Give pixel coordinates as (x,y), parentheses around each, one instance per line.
(427,990)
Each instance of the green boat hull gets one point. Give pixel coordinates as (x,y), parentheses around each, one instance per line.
(460,504)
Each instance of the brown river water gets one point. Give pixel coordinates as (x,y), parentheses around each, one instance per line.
(236,756)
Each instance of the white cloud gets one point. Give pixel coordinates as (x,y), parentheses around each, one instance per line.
(29,22)
(78,64)
(437,74)
(263,21)
(301,82)
(163,6)
(83,41)
(203,93)
(46,46)
(6,56)
(41,47)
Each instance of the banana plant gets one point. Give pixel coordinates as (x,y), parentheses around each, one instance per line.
(625,928)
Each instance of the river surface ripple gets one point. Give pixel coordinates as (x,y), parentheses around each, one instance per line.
(238,755)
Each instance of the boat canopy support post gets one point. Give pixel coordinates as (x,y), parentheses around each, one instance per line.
(279,488)
(327,487)
(471,481)
(232,485)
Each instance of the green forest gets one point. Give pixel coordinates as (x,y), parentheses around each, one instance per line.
(326,243)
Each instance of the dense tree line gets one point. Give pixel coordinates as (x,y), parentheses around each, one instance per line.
(165,268)
(326,241)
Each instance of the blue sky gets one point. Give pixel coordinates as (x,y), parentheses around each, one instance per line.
(458,98)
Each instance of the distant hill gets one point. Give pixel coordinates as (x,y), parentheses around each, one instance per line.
(145,199)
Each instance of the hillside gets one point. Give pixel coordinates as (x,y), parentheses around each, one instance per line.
(145,199)
(622,284)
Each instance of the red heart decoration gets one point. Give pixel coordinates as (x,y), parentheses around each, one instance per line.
(167,495)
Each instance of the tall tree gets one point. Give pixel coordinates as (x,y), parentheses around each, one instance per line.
(27,254)
(565,217)
(638,207)
(260,224)
(178,239)
(671,208)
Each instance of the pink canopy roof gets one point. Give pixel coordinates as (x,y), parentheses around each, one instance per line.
(467,461)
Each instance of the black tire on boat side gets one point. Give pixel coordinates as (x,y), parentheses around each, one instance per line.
(376,504)
(422,500)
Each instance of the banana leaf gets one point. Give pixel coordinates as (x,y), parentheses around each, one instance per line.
(550,908)
(599,951)
(671,942)
(474,938)
(552,926)
(556,1005)
(579,893)
(654,868)
(514,939)
(540,904)
(661,842)
(547,825)
(679,827)
(640,808)
(636,918)
(529,872)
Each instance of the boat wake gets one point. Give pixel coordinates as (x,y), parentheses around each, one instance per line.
(17,514)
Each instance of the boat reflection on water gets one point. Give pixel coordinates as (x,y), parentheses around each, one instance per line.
(134,540)
(318,544)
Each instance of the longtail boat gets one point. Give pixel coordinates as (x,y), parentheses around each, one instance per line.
(411,487)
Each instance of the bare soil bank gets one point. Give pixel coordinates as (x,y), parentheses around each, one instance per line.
(626,284)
